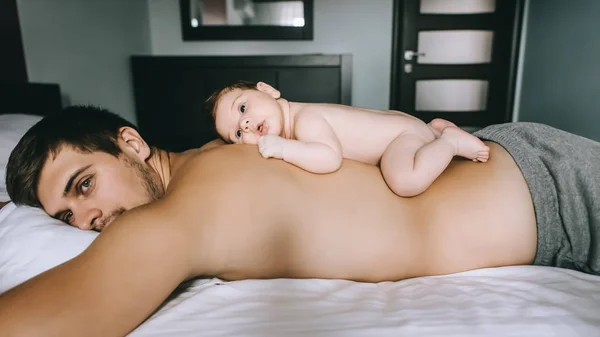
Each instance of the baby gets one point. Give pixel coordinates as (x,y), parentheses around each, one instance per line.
(315,137)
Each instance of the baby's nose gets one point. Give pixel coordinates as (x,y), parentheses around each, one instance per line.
(245,124)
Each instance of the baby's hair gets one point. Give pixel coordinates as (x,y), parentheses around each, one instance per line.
(210,105)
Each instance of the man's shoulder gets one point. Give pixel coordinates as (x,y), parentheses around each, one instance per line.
(218,165)
(212,144)
(222,154)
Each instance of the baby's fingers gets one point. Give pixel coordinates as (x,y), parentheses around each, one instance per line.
(263,151)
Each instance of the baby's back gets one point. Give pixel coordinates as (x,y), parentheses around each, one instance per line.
(365,133)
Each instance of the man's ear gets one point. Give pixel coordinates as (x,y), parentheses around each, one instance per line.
(267,89)
(132,143)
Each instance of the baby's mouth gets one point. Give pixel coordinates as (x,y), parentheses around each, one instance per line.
(260,129)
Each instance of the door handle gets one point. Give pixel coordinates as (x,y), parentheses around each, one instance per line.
(409,54)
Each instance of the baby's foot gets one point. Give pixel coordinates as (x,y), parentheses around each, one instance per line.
(438,125)
(466,145)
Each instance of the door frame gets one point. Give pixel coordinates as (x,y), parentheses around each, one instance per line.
(398,61)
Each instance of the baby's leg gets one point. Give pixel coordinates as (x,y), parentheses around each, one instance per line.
(465,144)
(410,165)
(438,125)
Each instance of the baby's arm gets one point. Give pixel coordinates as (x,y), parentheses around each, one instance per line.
(317,149)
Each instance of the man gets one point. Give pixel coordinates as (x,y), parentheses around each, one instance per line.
(229,213)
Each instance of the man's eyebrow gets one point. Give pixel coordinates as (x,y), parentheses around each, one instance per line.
(72,178)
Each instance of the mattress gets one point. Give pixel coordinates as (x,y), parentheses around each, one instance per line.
(507,301)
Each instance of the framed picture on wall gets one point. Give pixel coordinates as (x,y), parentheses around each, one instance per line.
(246,19)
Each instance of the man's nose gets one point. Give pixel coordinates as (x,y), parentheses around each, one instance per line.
(88,218)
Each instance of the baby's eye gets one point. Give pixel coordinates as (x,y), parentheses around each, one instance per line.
(242,108)
(238,133)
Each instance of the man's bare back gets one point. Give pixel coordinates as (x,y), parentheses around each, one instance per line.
(229,213)
(276,225)
(315,137)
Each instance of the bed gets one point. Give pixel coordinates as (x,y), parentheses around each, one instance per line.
(508,301)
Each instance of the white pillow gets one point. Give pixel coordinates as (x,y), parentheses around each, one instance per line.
(32,242)
(12,128)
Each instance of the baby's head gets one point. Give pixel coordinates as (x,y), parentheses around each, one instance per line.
(245,111)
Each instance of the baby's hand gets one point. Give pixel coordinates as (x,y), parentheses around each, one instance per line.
(271,146)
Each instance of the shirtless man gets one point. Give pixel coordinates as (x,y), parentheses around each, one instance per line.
(229,213)
(316,137)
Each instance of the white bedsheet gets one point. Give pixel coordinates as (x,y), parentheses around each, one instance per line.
(508,301)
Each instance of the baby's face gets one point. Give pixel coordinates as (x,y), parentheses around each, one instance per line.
(243,116)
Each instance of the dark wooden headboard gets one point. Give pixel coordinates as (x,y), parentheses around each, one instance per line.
(170,90)
(41,99)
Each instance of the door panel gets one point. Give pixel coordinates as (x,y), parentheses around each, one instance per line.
(455,47)
(455,59)
(451,95)
(457,6)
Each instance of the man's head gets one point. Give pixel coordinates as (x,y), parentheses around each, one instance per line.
(84,166)
(245,111)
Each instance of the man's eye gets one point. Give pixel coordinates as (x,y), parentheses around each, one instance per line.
(242,108)
(238,133)
(85,184)
(68,217)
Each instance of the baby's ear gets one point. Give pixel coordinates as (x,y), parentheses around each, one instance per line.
(267,89)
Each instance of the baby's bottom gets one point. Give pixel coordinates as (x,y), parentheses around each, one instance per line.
(411,162)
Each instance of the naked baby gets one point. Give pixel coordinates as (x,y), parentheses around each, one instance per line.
(315,137)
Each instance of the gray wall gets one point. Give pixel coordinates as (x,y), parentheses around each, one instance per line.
(561,70)
(84,45)
(361,28)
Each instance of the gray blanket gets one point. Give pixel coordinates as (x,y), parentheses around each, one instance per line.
(562,171)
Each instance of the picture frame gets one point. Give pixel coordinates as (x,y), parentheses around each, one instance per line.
(192,31)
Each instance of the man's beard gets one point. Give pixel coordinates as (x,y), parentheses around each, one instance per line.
(154,190)
(109,219)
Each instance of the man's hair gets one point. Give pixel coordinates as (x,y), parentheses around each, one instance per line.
(85,128)
(211,102)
